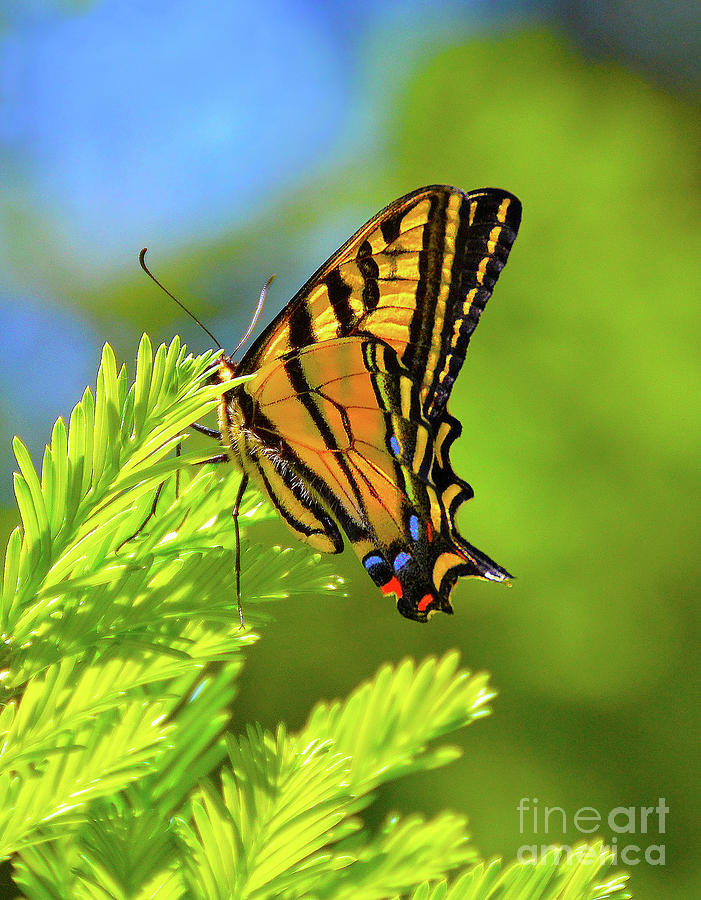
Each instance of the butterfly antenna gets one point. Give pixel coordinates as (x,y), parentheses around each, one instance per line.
(256,314)
(142,263)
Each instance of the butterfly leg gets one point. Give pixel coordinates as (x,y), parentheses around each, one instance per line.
(221,458)
(235,514)
(178,451)
(152,512)
(209,432)
(141,527)
(213,433)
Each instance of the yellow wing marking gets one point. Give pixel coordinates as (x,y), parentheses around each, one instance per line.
(503,207)
(451,229)
(443,564)
(443,432)
(405,395)
(417,216)
(420,448)
(449,493)
(493,238)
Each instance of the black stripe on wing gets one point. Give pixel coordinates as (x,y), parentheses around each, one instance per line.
(489,222)
(431,277)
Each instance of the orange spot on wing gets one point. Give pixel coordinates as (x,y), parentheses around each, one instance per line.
(429,531)
(393,586)
(424,602)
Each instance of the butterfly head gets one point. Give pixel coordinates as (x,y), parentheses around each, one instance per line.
(226,368)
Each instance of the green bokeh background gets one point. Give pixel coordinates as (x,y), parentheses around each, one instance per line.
(580,410)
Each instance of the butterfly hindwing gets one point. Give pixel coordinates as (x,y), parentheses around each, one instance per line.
(353,448)
(346,426)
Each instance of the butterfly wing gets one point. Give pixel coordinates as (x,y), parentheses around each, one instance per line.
(416,276)
(334,435)
(346,424)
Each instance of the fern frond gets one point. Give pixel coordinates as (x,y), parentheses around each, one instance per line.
(279,806)
(559,874)
(45,774)
(103,640)
(121,659)
(124,844)
(72,517)
(386,724)
(288,801)
(406,850)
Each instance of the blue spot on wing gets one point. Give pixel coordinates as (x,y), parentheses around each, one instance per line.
(394,444)
(414,527)
(400,560)
(371,561)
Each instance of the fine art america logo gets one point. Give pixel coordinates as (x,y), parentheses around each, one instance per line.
(635,831)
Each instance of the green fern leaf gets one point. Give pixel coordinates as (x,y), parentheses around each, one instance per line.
(557,875)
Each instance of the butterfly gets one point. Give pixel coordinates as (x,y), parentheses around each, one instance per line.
(345,427)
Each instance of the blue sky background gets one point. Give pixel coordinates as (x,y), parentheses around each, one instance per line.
(124,124)
(110,114)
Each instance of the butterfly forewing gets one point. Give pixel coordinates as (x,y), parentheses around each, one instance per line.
(346,424)
(417,276)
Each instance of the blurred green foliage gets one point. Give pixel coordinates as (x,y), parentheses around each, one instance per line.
(581,439)
(121,651)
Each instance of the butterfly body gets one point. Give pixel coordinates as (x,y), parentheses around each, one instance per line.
(345,425)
